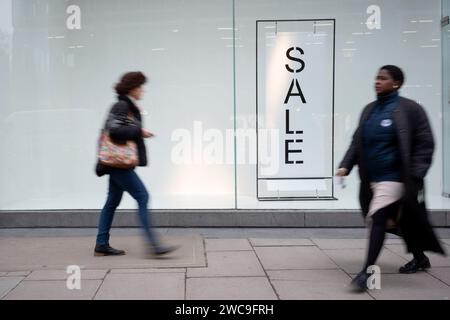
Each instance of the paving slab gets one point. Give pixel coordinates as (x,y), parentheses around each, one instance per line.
(265,233)
(58,253)
(7,284)
(418,286)
(394,241)
(300,265)
(229,288)
(313,285)
(437,260)
(148,286)
(229,263)
(18,273)
(348,243)
(278,258)
(327,244)
(227,245)
(260,242)
(53,290)
(442,273)
(63,275)
(150,270)
(352,260)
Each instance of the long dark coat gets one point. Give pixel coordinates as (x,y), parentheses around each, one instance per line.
(122,127)
(416,144)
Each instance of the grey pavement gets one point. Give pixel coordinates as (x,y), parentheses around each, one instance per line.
(211,263)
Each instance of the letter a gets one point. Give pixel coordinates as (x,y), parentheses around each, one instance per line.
(374,281)
(299,93)
(74,20)
(374,21)
(74,280)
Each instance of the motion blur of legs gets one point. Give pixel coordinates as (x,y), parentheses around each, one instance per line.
(124,126)
(393,147)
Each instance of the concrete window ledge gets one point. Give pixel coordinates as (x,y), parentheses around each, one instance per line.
(199,218)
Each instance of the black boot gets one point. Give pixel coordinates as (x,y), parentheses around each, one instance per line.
(416,264)
(359,283)
(107,250)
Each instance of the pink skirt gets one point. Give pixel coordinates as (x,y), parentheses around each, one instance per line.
(384,194)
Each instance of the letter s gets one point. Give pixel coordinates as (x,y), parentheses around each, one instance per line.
(288,55)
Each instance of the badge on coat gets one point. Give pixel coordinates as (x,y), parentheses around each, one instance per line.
(386,123)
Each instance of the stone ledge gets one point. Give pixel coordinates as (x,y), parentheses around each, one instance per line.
(199,218)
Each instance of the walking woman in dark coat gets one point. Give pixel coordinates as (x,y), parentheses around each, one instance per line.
(124,123)
(393,147)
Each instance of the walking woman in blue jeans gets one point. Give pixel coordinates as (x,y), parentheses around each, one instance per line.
(124,123)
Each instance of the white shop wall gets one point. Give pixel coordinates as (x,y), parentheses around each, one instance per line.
(56,87)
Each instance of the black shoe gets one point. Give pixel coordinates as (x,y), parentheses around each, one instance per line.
(161,249)
(414,265)
(106,250)
(359,283)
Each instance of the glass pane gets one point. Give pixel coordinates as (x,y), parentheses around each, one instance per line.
(369,35)
(58,64)
(446,98)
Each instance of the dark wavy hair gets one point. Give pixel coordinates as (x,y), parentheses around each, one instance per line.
(395,72)
(130,81)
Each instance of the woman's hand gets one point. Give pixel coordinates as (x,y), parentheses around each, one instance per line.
(342,172)
(147,134)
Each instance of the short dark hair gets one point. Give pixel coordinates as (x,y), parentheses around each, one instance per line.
(395,72)
(130,81)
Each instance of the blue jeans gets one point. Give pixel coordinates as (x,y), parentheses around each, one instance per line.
(121,180)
